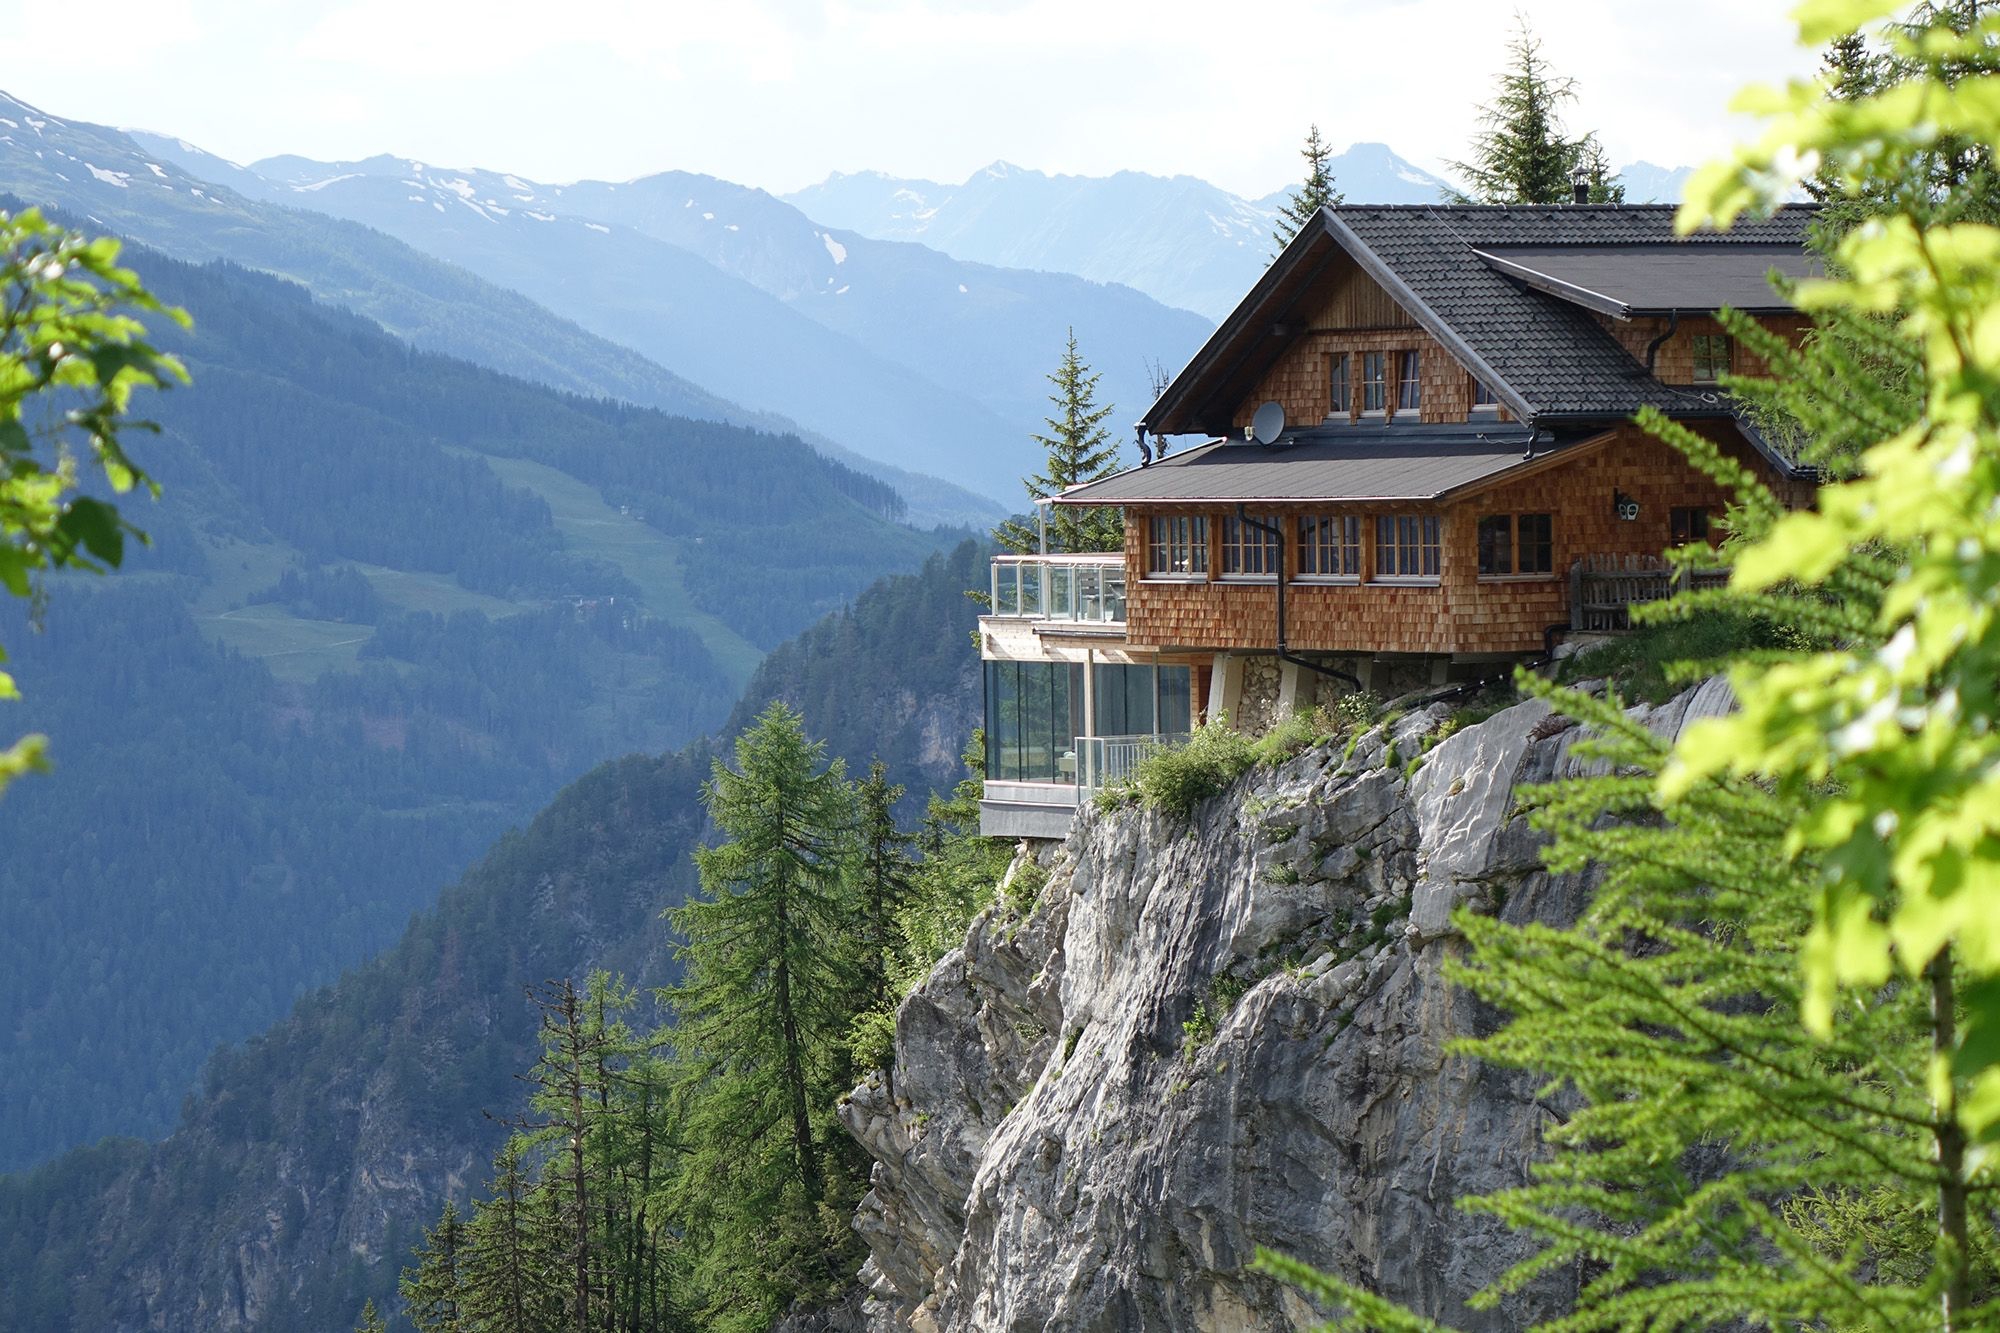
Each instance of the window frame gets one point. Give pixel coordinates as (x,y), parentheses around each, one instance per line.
(1311,546)
(1703,352)
(1516,547)
(1682,522)
(1240,538)
(1186,538)
(1489,405)
(1340,386)
(1410,381)
(1429,548)
(1380,362)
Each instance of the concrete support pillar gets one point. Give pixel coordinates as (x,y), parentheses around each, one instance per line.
(1291,678)
(1225,686)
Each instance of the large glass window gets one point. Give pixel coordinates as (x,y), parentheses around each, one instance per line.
(1033,717)
(1178,545)
(1250,546)
(1330,546)
(1124,698)
(1406,546)
(1409,383)
(1340,389)
(1374,382)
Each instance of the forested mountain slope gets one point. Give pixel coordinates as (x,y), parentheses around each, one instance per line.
(102,175)
(394,601)
(307,1159)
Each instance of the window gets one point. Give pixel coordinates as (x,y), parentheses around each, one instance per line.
(1496,544)
(1517,544)
(1535,544)
(1711,357)
(1406,547)
(1250,547)
(1409,382)
(1374,383)
(1688,524)
(1178,546)
(1340,389)
(1330,546)
(1483,398)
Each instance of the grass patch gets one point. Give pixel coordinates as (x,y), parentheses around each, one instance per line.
(1178,779)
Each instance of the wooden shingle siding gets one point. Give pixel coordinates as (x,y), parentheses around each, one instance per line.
(1462,613)
(1673,362)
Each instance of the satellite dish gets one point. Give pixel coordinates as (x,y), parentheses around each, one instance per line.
(1268,424)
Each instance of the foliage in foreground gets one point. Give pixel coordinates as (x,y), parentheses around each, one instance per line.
(70,334)
(1772,1073)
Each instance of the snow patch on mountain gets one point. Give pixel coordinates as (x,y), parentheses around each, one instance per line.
(839,251)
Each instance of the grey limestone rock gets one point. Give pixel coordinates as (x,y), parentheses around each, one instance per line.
(1081,1130)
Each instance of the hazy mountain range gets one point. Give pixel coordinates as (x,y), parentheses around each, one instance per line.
(1178,239)
(902,353)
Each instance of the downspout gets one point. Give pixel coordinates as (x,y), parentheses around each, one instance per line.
(1653,347)
(1285,653)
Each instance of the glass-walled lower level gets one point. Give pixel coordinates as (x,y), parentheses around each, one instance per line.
(1034,713)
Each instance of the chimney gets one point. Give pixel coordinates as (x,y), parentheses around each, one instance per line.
(1579,187)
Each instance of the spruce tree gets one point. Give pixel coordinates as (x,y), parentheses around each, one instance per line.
(1078,449)
(371,1321)
(432,1291)
(769,992)
(512,1278)
(1521,154)
(1315,193)
(881,881)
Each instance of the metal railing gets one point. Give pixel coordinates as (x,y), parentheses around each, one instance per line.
(1085,589)
(1603,589)
(1102,761)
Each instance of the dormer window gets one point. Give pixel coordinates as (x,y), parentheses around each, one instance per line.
(1409,383)
(1374,383)
(1483,398)
(1340,388)
(1711,357)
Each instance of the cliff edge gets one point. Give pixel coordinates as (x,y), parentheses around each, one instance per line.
(1220,1032)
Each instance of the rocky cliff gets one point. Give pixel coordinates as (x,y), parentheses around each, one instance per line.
(1223,1032)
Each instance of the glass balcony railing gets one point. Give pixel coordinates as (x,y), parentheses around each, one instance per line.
(1084,589)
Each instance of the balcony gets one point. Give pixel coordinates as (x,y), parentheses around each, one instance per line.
(1043,806)
(1072,589)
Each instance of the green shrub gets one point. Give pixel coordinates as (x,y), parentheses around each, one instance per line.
(1295,735)
(1024,888)
(1359,708)
(872,1039)
(1178,779)
(1199,1027)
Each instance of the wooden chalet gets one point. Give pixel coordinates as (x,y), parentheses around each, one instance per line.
(1458,481)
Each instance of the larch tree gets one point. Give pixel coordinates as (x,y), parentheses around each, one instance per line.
(433,1292)
(768,995)
(1077,449)
(1314,193)
(1781,1011)
(1521,154)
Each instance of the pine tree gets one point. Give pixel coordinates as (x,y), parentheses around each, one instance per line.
(512,1275)
(371,1322)
(432,1294)
(882,881)
(1078,449)
(1315,193)
(768,996)
(1521,156)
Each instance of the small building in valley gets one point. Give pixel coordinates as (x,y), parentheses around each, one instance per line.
(1459,480)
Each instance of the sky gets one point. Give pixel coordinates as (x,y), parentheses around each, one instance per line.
(779,93)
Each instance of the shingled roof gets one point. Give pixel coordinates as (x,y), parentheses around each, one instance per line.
(1546,357)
